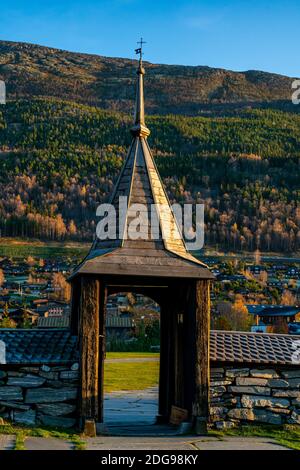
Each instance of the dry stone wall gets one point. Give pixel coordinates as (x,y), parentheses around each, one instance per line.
(39,395)
(254,395)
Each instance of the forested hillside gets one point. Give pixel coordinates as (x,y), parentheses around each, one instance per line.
(59,160)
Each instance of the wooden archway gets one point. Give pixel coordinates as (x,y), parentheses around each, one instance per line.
(184,355)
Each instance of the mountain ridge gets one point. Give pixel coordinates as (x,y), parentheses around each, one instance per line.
(31,70)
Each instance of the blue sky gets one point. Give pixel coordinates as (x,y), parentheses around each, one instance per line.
(233,34)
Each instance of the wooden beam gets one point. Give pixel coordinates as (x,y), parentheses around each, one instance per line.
(75,306)
(202,374)
(102,345)
(89,349)
(164,405)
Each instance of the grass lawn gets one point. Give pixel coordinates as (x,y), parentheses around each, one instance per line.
(22,432)
(128,355)
(130,376)
(287,435)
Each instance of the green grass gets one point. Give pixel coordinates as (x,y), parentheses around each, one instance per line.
(22,432)
(286,435)
(130,376)
(17,248)
(128,355)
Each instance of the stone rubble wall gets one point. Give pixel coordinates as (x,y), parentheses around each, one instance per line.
(252,395)
(39,395)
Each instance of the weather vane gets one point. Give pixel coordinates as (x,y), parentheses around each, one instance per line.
(139,50)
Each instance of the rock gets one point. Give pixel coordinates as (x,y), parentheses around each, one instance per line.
(217,410)
(277,383)
(2,374)
(56,422)
(234,401)
(217,383)
(294,383)
(11,393)
(295,417)
(251,381)
(249,401)
(55,383)
(215,391)
(283,411)
(50,375)
(215,399)
(14,373)
(286,393)
(264,373)
(26,381)
(262,416)
(216,377)
(50,395)
(222,425)
(265,416)
(17,406)
(217,413)
(69,375)
(25,417)
(296,402)
(57,409)
(237,373)
(244,414)
(45,368)
(291,374)
(30,370)
(250,390)
(75,366)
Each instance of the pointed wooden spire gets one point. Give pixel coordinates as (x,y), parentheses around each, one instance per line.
(139,128)
(139,181)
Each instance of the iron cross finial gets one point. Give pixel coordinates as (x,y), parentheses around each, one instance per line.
(139,50)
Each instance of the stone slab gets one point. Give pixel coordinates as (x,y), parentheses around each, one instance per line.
(237,372)
(250,390)
(251,381)
(40,443)
(27,381)
(11,393)
(56,409)
(250,401)
(264,373)
(56,421)
(239,443)
(25,417)
(50,395)
(7,442)
(291,374)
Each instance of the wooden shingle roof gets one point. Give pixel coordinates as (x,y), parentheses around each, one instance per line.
(35,346)
(160,249)
(248,347)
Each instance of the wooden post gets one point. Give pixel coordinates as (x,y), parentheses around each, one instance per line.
(164,363)
(202,374)
(189,347)
(75,306)
(102,346)
(89,350)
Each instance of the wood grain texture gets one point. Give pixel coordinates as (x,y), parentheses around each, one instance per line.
(202,372)
(89,348)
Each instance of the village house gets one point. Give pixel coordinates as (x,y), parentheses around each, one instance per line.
(268,316)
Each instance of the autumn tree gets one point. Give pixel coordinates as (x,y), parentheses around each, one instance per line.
(2,277)
(7,322)
(62,288)
(288,298)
